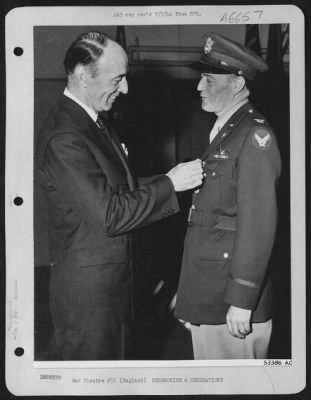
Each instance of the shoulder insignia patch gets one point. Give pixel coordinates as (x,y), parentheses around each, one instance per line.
(262,139)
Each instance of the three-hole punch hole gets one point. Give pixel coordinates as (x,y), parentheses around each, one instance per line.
(18,201)
(18,51)
(19,351)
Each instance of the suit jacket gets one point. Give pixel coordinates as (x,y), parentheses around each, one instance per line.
(232,224)
(93,207)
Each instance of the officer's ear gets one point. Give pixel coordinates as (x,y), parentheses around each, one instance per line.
(238,84)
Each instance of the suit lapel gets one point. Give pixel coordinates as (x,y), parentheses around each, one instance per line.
(115,143)
(103,136)
(226,130)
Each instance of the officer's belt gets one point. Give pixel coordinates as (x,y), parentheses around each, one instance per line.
(201,218)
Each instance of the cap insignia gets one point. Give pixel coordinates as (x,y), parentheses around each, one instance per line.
(208,45)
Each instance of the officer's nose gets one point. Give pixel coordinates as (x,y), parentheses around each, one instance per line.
(200,86)
(123,85)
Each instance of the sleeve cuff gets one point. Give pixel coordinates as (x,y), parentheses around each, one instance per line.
(241,293)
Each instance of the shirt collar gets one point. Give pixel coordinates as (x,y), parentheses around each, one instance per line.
(224,116)
(93,114)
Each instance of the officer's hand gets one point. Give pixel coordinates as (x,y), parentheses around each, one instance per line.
(239,322)
(186,176)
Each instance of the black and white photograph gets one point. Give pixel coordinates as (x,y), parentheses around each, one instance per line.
(159,204)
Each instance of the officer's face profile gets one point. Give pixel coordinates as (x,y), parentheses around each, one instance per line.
(109,79)
(216,91)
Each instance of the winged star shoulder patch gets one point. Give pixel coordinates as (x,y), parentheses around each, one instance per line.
(262,139)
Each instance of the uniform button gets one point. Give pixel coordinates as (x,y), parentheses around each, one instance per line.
(213,173)
(193,207)
(251,110)
(226,255)
(197,191)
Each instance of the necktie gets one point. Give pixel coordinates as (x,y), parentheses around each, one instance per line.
(105,129)
(117,147)
(100,123)
(214,132)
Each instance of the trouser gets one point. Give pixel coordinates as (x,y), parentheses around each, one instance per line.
(109,343)
(90,320)
(214,342)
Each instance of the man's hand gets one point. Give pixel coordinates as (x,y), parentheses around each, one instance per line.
(186,176)
(239,321)
(171,307)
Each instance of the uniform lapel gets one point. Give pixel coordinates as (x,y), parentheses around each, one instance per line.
(226,130)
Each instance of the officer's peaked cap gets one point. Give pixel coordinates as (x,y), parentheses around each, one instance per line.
(225,56)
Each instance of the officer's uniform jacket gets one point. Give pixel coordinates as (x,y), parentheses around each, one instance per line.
(232,224)
(93,205)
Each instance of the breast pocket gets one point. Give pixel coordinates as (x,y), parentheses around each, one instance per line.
(227,184)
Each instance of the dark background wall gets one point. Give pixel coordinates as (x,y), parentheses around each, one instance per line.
(162,123)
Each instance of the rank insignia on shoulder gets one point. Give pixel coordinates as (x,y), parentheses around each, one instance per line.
(262,139)
(260,121)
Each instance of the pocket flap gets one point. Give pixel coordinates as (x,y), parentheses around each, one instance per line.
(226,223)
(225,168)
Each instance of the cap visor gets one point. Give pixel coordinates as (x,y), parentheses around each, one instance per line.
(204,67)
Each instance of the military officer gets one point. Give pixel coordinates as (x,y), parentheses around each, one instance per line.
(224,290)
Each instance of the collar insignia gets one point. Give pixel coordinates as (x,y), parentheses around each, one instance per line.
(208,45)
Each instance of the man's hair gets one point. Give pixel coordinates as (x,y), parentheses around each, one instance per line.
(85,50)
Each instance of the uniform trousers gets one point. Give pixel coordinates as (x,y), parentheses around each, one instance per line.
(214,342)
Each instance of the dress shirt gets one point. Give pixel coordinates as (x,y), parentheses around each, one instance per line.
(93,114)
(223,117)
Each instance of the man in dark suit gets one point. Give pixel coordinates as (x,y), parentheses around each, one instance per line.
(94,204)
(224,288)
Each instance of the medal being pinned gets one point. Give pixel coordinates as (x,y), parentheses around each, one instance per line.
(222,154)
